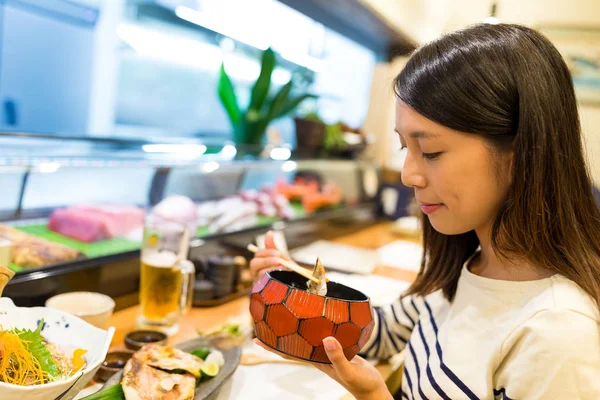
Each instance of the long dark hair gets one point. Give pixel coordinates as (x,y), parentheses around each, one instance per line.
(510,85)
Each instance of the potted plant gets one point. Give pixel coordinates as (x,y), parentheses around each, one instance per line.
(249,125)
(316,137)
(310,133)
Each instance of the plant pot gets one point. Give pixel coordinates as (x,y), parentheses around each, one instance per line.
(310,135)
(349,153)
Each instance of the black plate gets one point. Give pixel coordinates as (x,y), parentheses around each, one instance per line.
(206,390)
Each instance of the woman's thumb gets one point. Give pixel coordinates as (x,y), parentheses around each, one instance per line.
(334,351)
(270,241)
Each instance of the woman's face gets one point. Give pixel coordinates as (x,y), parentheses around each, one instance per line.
(458,183)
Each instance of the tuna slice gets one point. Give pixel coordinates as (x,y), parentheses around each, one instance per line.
(94,223)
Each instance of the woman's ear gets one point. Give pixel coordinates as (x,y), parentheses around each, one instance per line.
(507,165)
(503,165)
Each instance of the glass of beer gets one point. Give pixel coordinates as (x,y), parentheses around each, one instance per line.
(166,277)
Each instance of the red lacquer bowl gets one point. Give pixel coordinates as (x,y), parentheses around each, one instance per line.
(295,322)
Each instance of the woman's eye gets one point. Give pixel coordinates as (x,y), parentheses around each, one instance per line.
(432,156)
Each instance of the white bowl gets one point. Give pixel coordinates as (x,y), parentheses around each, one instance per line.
(94,308)
(60,328)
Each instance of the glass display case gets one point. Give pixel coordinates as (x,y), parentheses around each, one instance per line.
(72,209)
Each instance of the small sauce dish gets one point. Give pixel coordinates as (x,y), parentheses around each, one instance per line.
(135,340)
(114,362)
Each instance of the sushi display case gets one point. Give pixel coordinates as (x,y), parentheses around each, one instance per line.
(73,209)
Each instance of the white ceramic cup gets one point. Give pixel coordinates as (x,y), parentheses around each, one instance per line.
(94,308)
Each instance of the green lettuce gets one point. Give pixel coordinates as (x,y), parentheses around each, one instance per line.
(35,344)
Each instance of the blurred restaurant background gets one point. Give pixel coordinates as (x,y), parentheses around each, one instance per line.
(230,118)
(238,107)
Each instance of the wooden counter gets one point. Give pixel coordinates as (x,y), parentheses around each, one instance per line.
(203,319)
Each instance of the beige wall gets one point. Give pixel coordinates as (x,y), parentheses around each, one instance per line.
(424,20)
(590,123)
(380,116)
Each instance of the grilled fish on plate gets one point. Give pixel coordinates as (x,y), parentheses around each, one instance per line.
(143,382)
(145,376)
(170,359)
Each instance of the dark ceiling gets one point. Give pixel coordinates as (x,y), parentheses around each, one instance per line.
(357,22)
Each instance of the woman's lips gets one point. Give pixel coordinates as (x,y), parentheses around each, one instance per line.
(430,208)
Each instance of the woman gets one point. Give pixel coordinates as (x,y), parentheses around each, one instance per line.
(505,305)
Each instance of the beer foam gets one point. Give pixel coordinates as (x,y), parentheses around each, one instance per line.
(163,259)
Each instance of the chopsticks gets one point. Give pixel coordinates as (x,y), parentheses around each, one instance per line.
(291,265)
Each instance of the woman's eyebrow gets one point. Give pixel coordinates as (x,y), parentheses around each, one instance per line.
(423,135)
(420,134)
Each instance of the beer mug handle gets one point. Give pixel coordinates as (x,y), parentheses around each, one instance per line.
(188,272)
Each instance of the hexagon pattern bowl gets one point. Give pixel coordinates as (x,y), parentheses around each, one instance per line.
(291,320)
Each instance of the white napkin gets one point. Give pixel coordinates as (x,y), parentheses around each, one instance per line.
(279,381)
(381,290)
(401,254)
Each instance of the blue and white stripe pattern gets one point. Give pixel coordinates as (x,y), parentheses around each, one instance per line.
(410,323)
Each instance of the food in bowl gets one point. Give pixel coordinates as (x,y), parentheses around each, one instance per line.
(293,321)
(62,330)
(318,273)
(27,358)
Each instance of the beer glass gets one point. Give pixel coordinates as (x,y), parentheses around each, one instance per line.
(166,276)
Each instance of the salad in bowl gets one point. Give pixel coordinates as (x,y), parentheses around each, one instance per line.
(47,353)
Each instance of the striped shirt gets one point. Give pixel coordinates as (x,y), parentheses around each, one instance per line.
(496,340)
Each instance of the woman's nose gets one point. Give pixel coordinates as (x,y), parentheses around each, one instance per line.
(411,175)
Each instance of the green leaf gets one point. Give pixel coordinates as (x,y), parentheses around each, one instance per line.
(34,342)
(228,97)
(262,84)
(292,104)
(255,130)
(114,392)
(334,137)
(240,131)
(280,99)
(232,329)
(202,352)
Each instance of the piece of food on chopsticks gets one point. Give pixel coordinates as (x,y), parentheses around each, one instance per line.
(26,358)
(319,273)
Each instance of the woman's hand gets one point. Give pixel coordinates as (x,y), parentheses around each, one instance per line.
(359,377)
(267,259)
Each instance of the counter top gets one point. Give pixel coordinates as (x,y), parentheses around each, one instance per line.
(203,319)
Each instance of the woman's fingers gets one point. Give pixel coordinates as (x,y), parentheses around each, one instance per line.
(258,264)
(268,258)
(267,253)
(270,241)
(340,363)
